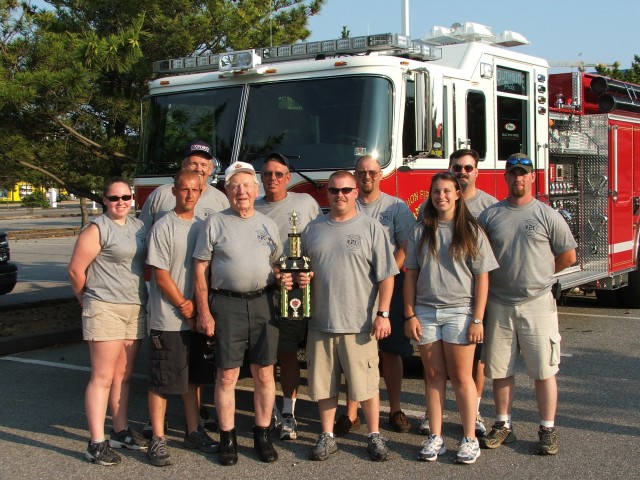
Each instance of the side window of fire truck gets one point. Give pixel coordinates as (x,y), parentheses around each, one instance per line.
(409,127)
(511,118)
(477,122)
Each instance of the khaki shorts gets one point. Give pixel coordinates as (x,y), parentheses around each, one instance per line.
(530,328)
(331,354)
(103,321)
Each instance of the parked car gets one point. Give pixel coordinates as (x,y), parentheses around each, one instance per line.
(8,270)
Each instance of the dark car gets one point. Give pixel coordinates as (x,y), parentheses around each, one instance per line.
(8,270)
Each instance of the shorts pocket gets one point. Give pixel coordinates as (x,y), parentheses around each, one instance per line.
(555,349)
(161,368)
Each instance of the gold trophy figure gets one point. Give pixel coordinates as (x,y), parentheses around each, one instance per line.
(295,304)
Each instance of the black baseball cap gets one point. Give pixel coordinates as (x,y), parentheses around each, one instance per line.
(278,157)
(198,146)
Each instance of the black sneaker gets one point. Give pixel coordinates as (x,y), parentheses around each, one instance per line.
(199,440)
(101,454)
(498,435)
(207,421)
(158,453)
(377,448)
(325,446)
(548,444)
(127,439)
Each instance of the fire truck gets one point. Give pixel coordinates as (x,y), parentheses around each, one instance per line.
(410,103)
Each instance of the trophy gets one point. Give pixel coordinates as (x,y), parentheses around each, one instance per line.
(295,304)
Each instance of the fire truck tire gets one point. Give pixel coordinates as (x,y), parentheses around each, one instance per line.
(630,294)
(609,298)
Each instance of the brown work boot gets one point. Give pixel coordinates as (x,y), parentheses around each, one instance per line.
(398,422)
(344,425)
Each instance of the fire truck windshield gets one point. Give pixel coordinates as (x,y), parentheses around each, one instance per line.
(320,124)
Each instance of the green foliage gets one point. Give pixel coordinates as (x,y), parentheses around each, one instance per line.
(72,77)
(631,75)
(36,199)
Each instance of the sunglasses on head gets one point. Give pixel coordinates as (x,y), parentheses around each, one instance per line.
(519,161)
(458,168)
(115,198)
(343,190)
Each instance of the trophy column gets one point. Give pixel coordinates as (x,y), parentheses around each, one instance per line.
(295,304)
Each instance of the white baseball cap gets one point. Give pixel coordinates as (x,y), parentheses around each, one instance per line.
(239,167)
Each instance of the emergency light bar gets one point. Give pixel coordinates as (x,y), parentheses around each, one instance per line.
(387,43)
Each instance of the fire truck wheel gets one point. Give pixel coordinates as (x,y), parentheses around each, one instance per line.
(610,298)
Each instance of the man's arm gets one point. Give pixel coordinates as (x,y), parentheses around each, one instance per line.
(205,323)
(382,326)
(565,259)
(401,254)
(170,290)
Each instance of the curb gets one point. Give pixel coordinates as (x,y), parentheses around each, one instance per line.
(44,233)
(23,343)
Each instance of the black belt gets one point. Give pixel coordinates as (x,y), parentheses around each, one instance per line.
(243,295)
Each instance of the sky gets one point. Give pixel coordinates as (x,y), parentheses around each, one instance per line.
(559,31)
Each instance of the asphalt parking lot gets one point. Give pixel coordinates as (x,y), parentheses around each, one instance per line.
(43,428)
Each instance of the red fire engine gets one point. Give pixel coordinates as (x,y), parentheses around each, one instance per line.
(410,103)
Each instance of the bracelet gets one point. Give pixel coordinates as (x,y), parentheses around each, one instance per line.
(409,317)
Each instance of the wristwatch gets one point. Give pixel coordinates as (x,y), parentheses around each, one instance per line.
(477,321)
(382,313)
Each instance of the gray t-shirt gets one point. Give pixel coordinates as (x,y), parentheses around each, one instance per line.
(161,201)
(171,243)
(242,251)
(525,240)
(393,214)
(348,259)
(116,275)
(305,206)
(476,204)
(443,281)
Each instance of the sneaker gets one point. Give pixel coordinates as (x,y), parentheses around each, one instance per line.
(199,440)
(147,430)
(377,448)
(276,418)
(548,444)
(469,451)
(127,439)
(289,428)
(344,425)
(398,422)
(207,421)
(432,447)
(158,453)
(325,446)
(424,425)
(498,435)
(480,428)
(101,454)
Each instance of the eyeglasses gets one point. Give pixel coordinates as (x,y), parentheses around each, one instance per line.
(209,352)
(343,190)
(519,161)
(278,175)
(115,198)
(364,173)
(458,168)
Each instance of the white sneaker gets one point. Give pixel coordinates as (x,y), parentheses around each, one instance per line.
(289,428)
(432,447)
(424,425)
(469,450)
(480,428)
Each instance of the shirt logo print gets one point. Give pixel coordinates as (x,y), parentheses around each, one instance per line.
(385,218)
(354,242)
(530,227)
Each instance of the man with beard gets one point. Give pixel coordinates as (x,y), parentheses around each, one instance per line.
(531,242)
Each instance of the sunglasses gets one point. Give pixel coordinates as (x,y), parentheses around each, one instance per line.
(364,173)
(519,161)
(458,168)
(209,351)
(272,174)
(115,198)
(343,190)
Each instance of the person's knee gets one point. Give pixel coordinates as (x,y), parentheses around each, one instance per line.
(263,376)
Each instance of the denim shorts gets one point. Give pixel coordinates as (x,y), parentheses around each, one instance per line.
(449,324)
